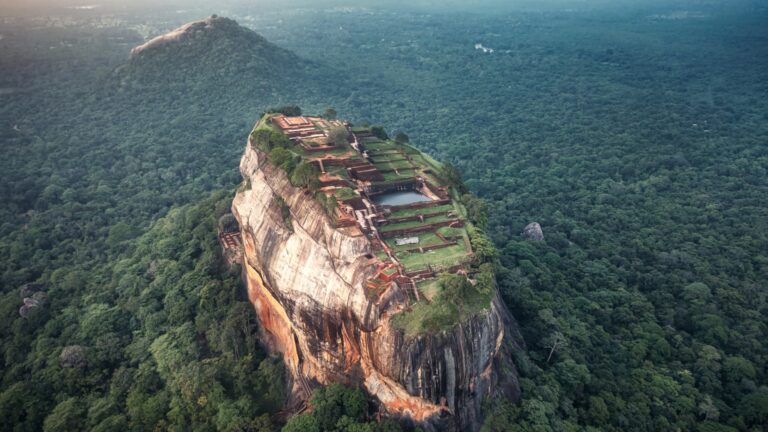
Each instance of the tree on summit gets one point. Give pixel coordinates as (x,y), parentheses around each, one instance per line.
(305,175)
(338,136)
(379,132)
(330,114)
(288,110)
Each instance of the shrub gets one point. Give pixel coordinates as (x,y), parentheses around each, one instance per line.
(379,132)
(285,211)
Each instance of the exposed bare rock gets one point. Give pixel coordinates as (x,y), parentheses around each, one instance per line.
(40,297)
(29,307)
(211,45)
(28,289)
(151,269)
(307,285)
(33,298)
(73,356)
(533,231)
(183,34)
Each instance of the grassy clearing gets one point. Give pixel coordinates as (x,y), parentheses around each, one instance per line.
(403,175)
(344,150)
(338,171)
(425,210)
(424,317)
(380,145)
(387,157)
(429,288)
(411,149)
(450,231)
(425,239)
(439,257)
(426,161)
(404,164)
(413,224)
(344,193)
(433,179)
(448,307)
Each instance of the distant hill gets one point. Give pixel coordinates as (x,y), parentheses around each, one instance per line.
(215,48)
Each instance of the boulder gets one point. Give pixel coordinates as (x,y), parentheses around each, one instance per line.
(28,289)
(31,305)
(533,232)
(73,356)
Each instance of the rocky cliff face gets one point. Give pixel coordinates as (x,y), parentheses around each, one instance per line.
(307,285)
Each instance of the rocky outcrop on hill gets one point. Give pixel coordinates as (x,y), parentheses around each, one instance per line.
(533,232)
(73,356)
(214,47)
(33,299)
(307,283)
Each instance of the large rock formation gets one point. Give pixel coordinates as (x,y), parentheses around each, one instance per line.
(214,48)
(307,285)
(533,231)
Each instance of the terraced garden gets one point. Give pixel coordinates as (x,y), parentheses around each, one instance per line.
(415,223)
(413,220)
(437,258)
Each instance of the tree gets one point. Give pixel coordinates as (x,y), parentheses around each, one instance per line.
(228,223)
(121,232)
(303,423)
(453,176)
(554,342)
(306,175)
(707,409)
(69,415)
(402,138)
(379,132)
(482,246)
(329,114)
(338,135)
(288,110)
(112,423)
(283,158)
(477,210)
(598,410)
(455,287)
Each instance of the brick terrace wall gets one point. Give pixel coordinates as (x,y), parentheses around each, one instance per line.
(337,183)
(318,149)
(382,188)
(429,248)
(431,272)
(424,228)
(355,202)
(398,170)
(415,217)
(368,175)
(385,160)
(421,204)
(435,190)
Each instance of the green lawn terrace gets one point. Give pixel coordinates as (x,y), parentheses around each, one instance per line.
(426,237)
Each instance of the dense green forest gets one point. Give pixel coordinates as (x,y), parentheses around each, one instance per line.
(638,142)
(159,336)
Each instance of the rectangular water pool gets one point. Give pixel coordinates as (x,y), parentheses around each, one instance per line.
(399,198)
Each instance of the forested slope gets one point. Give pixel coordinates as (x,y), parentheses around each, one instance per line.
(637,142)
